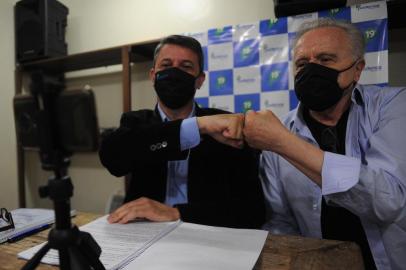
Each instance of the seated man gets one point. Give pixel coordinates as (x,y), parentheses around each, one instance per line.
(336,167)
(177,170)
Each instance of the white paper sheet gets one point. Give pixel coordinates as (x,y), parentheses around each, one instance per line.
(199,247)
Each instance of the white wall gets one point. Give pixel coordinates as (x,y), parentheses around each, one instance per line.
(8,168)
(96,24)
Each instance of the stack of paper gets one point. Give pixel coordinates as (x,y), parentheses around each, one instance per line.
(120,243)
(199,247)
(169,245)
(27,220)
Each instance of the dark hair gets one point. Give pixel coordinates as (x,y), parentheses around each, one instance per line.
(182,41)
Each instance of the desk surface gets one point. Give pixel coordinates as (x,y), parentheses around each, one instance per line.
(279,252)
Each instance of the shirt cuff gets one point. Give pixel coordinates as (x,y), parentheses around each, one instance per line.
(339,173)
(189,134)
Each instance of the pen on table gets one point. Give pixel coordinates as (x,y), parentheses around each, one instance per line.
(29,232)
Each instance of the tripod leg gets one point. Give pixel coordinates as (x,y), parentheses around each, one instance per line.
(34,261)
(75,258)
(94,261)
(91,251)
(77,250)
(65,257)
(80,261)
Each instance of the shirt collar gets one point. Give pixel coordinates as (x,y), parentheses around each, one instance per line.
(165,118)
(298,125)
(357,96)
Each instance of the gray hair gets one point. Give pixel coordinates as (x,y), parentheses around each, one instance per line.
(354,34)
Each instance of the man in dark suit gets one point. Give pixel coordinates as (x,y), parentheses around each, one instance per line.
(178,168)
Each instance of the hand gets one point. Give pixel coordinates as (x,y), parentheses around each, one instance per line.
(144,208)
(263,130)
(225,128)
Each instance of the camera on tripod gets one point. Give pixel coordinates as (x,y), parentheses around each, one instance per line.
(59,123)
(69,122)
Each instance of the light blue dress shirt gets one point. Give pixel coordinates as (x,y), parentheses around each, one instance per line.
(177,177)
(370,180)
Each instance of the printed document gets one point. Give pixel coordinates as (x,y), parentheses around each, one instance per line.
(200,247)
(120,243)
(169,245)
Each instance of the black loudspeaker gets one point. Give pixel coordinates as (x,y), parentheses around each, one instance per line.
(40,29)
(284,8)
(75,117)
(26,118)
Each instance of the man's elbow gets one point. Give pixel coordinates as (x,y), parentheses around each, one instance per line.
(115,166)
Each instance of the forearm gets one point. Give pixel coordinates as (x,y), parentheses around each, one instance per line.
(115,153)
(263,130)
(189,133)
(304,156)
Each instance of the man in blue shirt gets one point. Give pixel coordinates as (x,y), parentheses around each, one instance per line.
(177,169)
(336,167)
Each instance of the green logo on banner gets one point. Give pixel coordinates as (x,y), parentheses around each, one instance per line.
(369,34)
(334,11)
(273,76)
(219,31)
(245,52)
(220,82)
(272,22)
(247,105)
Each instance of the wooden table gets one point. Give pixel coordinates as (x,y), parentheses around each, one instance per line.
(279,252)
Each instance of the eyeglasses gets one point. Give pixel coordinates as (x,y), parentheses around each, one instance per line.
(6,216)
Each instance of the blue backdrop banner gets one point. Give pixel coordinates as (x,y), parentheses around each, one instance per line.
(248,66)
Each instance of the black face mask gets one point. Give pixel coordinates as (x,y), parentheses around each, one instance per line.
(174,87)
(317,88)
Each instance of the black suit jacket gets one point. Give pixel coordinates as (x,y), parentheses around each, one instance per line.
(223,183)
